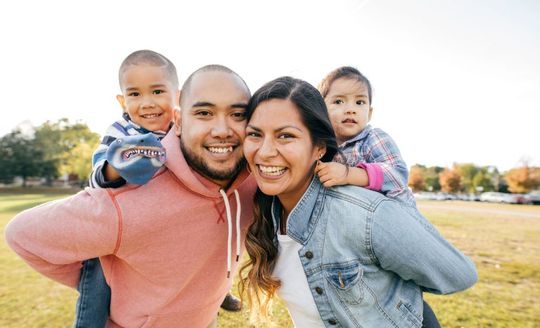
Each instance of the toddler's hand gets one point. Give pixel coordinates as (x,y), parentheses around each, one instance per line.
(136,158)
(331,173)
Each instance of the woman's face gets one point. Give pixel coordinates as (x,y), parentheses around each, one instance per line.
(279,150)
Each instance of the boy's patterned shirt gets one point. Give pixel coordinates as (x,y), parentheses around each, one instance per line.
(373,145)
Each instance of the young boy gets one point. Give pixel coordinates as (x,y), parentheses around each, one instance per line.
(129,152)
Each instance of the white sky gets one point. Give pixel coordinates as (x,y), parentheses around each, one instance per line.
(454,81)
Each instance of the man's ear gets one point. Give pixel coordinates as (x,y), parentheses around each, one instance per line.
(370,112)
(177,98)
(121,101)
(177,118)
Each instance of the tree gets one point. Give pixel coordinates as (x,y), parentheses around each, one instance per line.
(416,178)
(48,151)
(450,180)
(431,178)
(21,156)
(467,172)
(80,162)
(63,143)
(523,179)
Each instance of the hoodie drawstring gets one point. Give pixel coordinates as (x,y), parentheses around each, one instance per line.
(229,228)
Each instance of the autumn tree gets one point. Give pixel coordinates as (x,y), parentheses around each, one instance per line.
(416,178)
(467,171)
(431,178)
(523,179)
(450,180)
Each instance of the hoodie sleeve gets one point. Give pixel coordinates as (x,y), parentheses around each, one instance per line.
(55,237)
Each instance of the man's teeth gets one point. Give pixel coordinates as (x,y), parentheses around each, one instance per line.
(272,170)
(220,150)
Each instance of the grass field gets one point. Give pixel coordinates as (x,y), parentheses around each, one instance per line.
(503,240)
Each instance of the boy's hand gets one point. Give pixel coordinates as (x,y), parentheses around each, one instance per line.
(136,158)
(332,173)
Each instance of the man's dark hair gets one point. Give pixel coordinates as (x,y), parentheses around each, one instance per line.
(209,68)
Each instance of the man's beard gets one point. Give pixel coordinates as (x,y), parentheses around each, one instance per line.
(197,163)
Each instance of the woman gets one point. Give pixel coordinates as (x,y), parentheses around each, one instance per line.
(342,256)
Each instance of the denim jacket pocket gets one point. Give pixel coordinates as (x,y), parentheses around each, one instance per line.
(409,316)
(345,279)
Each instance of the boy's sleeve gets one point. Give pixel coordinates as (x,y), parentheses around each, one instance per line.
(99,159)
(55,237)
(385,164)
(404,242)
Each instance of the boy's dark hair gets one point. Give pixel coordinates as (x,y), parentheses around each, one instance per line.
(210,68)
(152,58)
(346,72)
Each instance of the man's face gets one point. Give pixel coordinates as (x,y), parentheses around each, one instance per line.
(213,125)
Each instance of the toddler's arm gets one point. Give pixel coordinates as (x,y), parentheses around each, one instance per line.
(386,169)
(337,174)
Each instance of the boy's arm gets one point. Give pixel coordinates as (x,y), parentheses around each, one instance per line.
(105,176)
(384,165)
(55,237)
(403,241)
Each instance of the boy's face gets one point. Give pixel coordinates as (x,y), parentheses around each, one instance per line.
(348,107)
(213,125)
(148,96)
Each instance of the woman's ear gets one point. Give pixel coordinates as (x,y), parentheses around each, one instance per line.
(321,150)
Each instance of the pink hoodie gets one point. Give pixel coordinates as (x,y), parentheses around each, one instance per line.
(163,246)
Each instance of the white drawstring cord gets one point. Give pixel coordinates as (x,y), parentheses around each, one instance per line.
(238,212)
(229,230)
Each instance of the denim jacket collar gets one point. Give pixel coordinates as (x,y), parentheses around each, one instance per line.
(302,220)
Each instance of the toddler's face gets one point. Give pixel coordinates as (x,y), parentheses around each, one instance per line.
(148,96)
(348,107)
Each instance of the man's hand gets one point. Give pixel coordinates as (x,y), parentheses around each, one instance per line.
(332,173)
(136,158)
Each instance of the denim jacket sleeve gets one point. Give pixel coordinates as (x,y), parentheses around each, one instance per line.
(383,151)
(406,243)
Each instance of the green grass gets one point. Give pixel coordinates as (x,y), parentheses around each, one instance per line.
(504,246)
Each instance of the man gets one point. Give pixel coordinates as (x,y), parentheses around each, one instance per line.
(165,247)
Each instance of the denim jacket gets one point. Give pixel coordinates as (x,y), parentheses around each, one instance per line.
(368,258)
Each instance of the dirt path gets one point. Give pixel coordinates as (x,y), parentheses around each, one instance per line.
(468,209)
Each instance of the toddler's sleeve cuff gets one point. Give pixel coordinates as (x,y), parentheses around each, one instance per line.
(375,175)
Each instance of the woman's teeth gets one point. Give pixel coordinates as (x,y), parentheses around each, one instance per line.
(272,170)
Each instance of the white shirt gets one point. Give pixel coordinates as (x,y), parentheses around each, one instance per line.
(294,288)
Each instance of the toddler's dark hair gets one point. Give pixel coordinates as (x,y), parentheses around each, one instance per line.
(346,72)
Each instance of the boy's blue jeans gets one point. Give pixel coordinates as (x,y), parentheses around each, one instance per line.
(94,297)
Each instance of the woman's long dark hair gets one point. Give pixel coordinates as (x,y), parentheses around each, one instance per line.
(258,284)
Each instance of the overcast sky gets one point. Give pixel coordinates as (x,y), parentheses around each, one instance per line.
(454,81)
